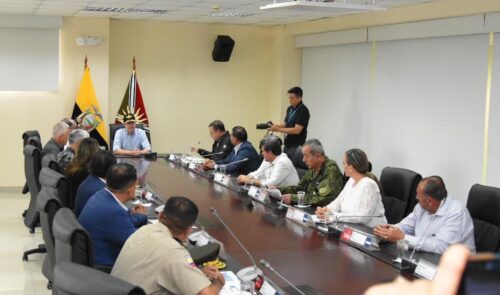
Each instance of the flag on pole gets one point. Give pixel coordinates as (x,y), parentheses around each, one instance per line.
(87,112)
(133,103)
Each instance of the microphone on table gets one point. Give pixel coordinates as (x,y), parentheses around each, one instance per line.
(333,229)
(268,266)
(211,154)
(235,162)
(246,274)
(409,264)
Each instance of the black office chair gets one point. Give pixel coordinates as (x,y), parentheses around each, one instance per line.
(114,127)
(32,138)
(400,187)
(298,163)
(50,161)
(484,206)
(60,184)
(32,167)
(48,204)
(73,242)
(74,279)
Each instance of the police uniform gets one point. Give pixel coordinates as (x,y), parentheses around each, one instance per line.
(152,259)
(321,187)
(296,116)
(223,145)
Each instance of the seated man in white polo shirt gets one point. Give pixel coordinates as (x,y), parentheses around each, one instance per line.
(276,170)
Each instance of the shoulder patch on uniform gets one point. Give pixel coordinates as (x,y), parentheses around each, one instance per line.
(189,261)
(322,190)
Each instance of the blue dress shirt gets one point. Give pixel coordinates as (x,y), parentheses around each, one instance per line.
(137,140)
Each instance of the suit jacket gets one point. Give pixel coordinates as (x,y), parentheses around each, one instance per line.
(223,145)
(51,147)
(87,189)
(246,150)
(108,224)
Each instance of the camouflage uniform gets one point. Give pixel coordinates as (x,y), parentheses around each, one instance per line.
(320,188)
(64,158)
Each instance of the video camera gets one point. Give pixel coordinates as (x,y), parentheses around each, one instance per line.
(263,126)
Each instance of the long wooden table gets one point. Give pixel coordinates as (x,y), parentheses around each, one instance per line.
(303,255)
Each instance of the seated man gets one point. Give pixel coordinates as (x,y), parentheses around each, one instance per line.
(131,141)
(167,268)
(105,216)
(323,181)
(222,146)
(96,180)
(436,223)
(276,169)
(60,134)
(65,157)
(243,159)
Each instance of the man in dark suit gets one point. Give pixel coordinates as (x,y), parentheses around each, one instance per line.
(243,151)
(222,146)
(105,216)
(96,180)
(60,135)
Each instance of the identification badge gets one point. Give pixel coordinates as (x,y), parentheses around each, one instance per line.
(189,261)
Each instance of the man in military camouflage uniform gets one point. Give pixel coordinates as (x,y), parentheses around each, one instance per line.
(65,157)
(322,182)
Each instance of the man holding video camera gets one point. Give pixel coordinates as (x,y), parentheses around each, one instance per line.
(296,121)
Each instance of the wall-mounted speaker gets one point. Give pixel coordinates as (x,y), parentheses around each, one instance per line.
(223,48)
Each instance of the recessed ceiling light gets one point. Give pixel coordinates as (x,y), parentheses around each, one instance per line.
(230,14)
(124,10)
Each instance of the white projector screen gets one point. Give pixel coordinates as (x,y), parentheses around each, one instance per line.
(415,104)
(29,59)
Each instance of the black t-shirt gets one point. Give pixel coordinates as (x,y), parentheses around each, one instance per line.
(298,115)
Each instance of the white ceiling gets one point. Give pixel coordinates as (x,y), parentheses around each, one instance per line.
(180,10)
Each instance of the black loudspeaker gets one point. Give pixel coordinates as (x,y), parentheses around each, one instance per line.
(223,48)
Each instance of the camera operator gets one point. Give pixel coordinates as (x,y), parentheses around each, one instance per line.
(296,121)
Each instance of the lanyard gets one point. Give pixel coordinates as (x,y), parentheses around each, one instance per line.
(292,113)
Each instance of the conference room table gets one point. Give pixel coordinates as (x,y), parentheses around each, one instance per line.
(302,254)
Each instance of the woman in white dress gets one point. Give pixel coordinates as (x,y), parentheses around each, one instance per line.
(360,201)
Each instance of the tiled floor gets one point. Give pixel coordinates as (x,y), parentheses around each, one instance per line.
(17,276)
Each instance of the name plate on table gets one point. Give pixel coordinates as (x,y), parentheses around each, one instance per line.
(425,269)
(221,178)
(297,215)
(171,157)
(267,289)
(363,239)
(257,193)
(192,166)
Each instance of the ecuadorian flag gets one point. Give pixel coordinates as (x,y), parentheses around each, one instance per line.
(87,112)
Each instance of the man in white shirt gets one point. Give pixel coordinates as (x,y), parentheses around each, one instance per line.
(276,170)
(436,223)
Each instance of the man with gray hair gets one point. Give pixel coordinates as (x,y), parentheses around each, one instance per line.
(60,134)
(65,157)
(323,181)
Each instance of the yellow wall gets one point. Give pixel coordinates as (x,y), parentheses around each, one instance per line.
(40,110)
(184,89)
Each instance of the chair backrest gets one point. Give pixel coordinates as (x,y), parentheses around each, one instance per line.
(58,182)
(399,187)
(114,127)
(28,134)
(483,204)
(298,163)
(48,204)
(32,167)
(75,279)
(50,161)
(72,241)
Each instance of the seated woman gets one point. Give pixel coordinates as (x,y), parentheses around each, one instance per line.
(360,196)
(78,169)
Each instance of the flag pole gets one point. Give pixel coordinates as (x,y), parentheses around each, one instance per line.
(133,64)
(85,63)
